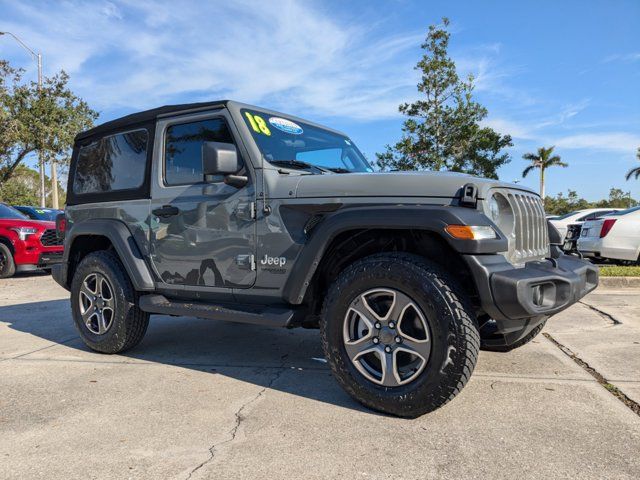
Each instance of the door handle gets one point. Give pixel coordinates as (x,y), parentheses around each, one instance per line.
(166,211)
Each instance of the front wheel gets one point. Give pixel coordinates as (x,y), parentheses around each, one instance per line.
(399,334)
(104,304)
(7,265)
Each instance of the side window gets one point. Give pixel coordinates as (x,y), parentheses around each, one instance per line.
(183,149)
(115,162)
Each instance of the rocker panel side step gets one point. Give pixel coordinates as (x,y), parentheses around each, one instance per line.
(255,314)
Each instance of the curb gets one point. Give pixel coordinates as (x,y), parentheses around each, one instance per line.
(620,282)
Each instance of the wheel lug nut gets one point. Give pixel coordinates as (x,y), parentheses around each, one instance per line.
(398,339)
(378,326)
(376,340)
(392,324)
(387,349)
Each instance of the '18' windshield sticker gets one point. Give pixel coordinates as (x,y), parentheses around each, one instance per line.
(258,124)
(285,125)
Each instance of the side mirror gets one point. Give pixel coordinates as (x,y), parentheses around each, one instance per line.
(219,158)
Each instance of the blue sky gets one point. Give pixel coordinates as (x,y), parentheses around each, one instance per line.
(550,73)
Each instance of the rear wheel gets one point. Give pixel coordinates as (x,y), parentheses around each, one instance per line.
(104,305)
(399,334)
(7,265)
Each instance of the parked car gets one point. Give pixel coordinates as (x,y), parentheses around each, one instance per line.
(39,213)
(232,212)
(615,236)
(570,244)
(26,244)
(578,217)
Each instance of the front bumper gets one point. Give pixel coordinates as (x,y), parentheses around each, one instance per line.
(43,260)
(519,299)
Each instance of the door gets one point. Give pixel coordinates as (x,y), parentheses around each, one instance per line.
(202,233)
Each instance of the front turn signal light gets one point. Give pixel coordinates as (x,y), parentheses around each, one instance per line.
(470,232)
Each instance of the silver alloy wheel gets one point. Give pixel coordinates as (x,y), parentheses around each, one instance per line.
(97,303)
(387,337)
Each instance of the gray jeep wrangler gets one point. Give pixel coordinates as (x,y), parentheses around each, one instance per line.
(232,212)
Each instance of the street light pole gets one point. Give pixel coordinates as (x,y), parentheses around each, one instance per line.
(38,57)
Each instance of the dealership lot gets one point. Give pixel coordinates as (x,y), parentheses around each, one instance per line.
(206,399)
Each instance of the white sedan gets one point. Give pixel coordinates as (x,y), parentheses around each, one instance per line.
(578,217)
(616,236)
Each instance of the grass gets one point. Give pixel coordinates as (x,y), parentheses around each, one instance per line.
(619,271)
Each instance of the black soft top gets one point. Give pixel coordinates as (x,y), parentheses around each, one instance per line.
(146,116)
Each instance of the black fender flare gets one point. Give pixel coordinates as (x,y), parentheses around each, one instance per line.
(432,218)
(7,242)
(124,244)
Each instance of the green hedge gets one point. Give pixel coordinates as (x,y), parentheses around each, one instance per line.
(618,271)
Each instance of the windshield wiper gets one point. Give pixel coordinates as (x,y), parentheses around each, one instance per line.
(337,169)
(299,164)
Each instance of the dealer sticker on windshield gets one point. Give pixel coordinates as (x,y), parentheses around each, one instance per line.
(285,125)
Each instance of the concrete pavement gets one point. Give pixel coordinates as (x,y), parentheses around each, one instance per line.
(204,399)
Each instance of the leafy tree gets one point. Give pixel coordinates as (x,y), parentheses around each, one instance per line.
(42,120)
(561,204)
(23,188)
(634,172)
(542,160)
(617,199)
(9,128)
(442,131)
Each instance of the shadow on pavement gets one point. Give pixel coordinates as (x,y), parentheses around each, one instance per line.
(248,353)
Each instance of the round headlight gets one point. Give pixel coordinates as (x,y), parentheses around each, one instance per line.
(501,213)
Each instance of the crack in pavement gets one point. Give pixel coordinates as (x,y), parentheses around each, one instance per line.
(602,313)
(239,419)
(17,357)
(612,389)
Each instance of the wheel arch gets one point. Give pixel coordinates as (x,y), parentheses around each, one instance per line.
(106,234)
(348,235)
(7,242)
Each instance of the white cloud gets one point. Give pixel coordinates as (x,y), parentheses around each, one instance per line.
(563,115)
(623,57)
(507,126)
(612,141)
(292,55)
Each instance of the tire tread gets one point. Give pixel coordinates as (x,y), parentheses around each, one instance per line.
(467,338)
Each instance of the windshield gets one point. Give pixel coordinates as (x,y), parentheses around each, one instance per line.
(303,146)
(566,215)
(47,214)
(625,212)
(6,212)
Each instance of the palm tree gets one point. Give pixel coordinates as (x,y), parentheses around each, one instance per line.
(634,172)
(542,160)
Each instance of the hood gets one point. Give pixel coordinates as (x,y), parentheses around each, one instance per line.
(17,222)
(394,184)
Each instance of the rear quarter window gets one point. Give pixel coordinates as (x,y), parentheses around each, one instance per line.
(112,163)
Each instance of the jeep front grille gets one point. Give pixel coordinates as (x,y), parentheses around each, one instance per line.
(529,238)
(531,235)
(50,238)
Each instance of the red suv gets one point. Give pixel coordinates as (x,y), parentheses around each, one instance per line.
(26,244)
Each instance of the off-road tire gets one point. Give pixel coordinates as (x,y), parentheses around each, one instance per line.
(454,334)
(507,348)
(129,323)
(7,264)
